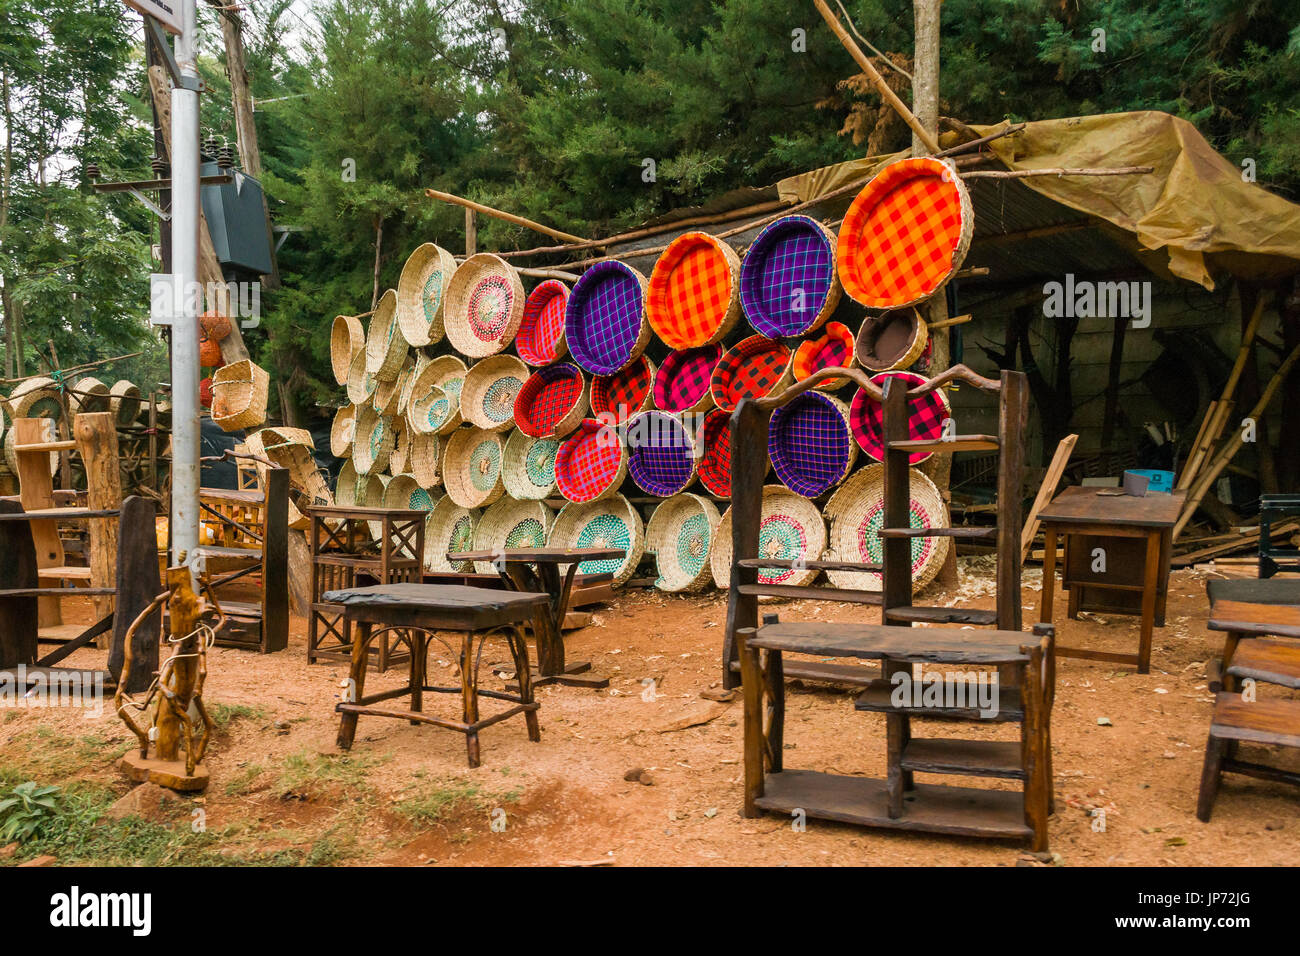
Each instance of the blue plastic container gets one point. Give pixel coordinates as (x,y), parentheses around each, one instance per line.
(1158,481)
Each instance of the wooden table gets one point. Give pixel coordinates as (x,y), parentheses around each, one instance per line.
(1079,514)
(538,569)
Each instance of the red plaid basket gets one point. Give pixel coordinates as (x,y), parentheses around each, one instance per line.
(591,463)
(540,339)
(616,398)
(694,294)
(714,442)
(833,348)
(926,416)
(552,402)
(752,368)
(682,382)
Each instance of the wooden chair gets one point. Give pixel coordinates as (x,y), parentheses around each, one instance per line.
(1236,720)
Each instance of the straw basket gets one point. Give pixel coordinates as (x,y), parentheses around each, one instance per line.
(714,439)
(926,416)
(891,340)
(371,495)
(511,524)
(37,398)
(541,334)
(485,305)
(790,528)
(604,322)
(399,457)
(552,402)
(239,396)
(810,444)
(124,402)
(388,392)
(680,534)
(361,384)
(693,297)
(616,398)
(346,485)
(856,513)
(385,347)
(343,431)
(449,530)
(610,523)
(591,463)
(347,338)
(425,459)
(435,397)
(752,368)
(682,382)
(292,448)
(905,234)
(661,454)
(832,348)
(372,442)
(49,433)
(529,469)
(471,467)
(409,378)
(788,284)
(404,492)
(422,294)
(89,395)
(487,399)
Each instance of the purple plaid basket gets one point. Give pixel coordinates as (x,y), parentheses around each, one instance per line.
(788,284)
(661,455)
(810,444)
(604,323)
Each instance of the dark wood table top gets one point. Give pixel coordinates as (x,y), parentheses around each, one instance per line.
(914,644)
(1079,505)
(338,511)
(1254,590)
(540,555)
(437,605)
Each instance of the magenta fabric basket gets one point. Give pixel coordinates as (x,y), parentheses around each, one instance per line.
(810,444)
(660,454)
(604,322)
(682,382)
(540,339)
(926,416)
(552,401)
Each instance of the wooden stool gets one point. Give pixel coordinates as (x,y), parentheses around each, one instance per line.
(417,610)
(1259,722)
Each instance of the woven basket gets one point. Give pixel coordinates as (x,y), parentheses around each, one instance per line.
(343,431)
(905,234)
(680,534)
(693,297)
(529,469)
(292,448)
(215,326)
(124,402)
(591,463)
(49,433)
(89,395)
(346,485)
(386,348)
(832,348)
(891,340)
(660,454)
(471,467)
(435,397)
(788,284)
(387,399)
(399,458)
(210,353)
(552,402)
(511,524)
(239,392)
(682,382)
(487,399)
(604,322)
(361,384)
(541,334)
(372,443)
(790,528)
(616,398)
(371,495)
(409,377)
(347,338)
(425,459)
(856,513)
(449,530)
(422,294)
(752,368)
(609,523)
(37,398)
(810,444)
(926,416)
(714,442)
(404,492)
(485,305)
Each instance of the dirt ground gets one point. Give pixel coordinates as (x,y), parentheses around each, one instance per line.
(405,796)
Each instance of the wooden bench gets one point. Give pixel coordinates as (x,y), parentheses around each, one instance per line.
(1237,720)
(1242,621)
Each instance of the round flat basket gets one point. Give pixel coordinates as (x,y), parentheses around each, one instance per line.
(714,439)
(485,305)
(810,444)
(790,528)
(346,485)
(370,494)
(343,431)
(361,384)
(541,334)
(788,284)
(616,398)
(49,433)
(347,338)
(609,523)
(399,458)
(372,441)
(239,392)
(388,392)
(552,402)
(422,292)
(529,470)
(511,524)
(434,408)
(905,234)
(408,379)
(425,459)
(604,322)
(591,463)
(926,416)
(693,295)
(449,530)
(832,348)
(37,398)
(471,467)
(385,347)
(682,382)
(660,454)
(680,535)
(89,395)
(856,513)
(487,399)
(124,402)
(752,368)
(891,340)
(404,492)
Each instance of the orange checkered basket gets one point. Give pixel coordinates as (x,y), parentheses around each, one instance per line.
(693,298)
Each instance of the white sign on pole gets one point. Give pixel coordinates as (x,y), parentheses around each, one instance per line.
(166,12)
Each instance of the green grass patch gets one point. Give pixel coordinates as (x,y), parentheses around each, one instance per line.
(223,715)
(308,774)
(433,801)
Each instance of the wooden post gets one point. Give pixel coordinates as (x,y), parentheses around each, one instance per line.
(96,437)
(36,491)
(182,677)
(471,233)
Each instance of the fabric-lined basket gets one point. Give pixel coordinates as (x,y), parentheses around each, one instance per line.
(372,441)
(661,454)
(752,368)
(425,459)
(511,524)
(485,305)
(529,469)
(422,293)
(693,295)
(435,397)
(680,534)
(926,416)
(540,340)
(124,402)
(891,340)
(347,338)
(385,347)
(905,234)
(361,384)
(833,348)
(239,392)
(552,402)
(610,523)
(487,399)
(471,467)
(856,513)
(682,382)
(591,463)
(790,528)
(714,440)
(810,444)
(616,398)
(604,321)
(788,283)
(449,530)
(343,431)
